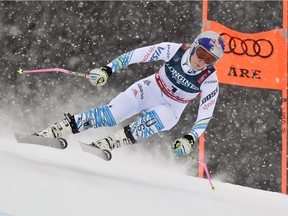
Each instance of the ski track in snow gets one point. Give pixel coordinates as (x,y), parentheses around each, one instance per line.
(37,180)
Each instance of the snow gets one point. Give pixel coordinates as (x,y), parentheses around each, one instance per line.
(242,144)
(243,139)
(37,180)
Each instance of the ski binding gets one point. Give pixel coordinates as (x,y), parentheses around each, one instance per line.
(92,149)
(58,143)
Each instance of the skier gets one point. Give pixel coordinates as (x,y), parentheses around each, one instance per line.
(161,97)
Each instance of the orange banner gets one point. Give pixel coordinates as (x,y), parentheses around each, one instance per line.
(257,60)
(252,60)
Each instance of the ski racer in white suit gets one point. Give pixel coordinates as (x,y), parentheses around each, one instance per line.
(161,97)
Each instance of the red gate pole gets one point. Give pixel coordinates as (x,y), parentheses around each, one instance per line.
(284,103)
(202,138)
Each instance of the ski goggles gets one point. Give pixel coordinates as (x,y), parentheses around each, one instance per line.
(204,54)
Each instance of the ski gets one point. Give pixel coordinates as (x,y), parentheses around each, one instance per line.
(58,143)
(92,149)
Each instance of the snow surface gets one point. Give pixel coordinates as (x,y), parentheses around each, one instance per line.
(38,180)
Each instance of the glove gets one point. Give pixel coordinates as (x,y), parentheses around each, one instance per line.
(99,76)
(183,146)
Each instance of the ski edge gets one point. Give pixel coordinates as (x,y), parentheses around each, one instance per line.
(59,143)
(103,154)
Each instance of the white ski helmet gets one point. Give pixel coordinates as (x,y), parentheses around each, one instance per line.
(212,42)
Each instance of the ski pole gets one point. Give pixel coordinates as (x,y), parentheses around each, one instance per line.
(206,170)
(49,70)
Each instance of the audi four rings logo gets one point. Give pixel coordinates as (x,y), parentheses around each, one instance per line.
(261,47)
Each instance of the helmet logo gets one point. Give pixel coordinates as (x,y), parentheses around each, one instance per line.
(214,43)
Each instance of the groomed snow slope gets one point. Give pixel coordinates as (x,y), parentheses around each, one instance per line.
(36,180)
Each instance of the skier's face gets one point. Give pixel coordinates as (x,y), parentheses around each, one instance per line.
(201,58)
(197,63)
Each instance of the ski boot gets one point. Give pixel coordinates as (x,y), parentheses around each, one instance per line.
(60,129)
(116,140)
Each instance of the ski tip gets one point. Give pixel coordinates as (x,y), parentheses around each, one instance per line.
(108,155)
(20,71)
(59,143)
(63,142)
(92,149)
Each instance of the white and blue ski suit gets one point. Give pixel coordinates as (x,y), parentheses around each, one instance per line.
(161,97)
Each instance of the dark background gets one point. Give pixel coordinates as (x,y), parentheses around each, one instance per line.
(243,140)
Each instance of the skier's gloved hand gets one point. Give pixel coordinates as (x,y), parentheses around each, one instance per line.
(99,76)
(183,146)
